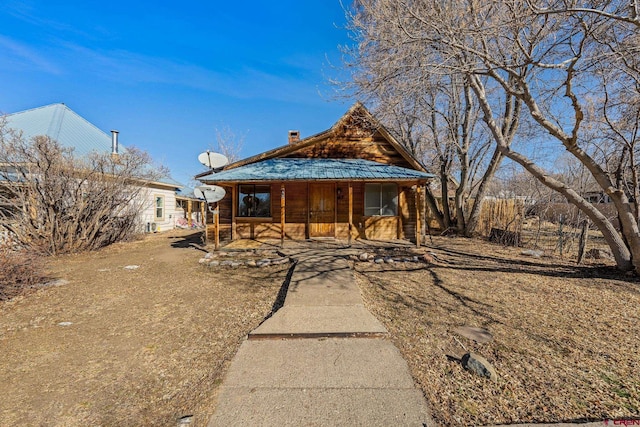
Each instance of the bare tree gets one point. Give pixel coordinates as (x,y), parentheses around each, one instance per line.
(54,202)
(229,143)
(543,58)
(432,109)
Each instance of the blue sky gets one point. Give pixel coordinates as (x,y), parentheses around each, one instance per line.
(167,74)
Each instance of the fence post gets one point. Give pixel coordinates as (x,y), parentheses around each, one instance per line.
(561,235)
(582,242)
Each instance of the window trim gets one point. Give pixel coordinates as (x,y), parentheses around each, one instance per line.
(380,203)
(239,201)
(156,207)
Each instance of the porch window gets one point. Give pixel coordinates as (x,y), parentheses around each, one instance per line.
(254,201)
(159,207)
(381,199)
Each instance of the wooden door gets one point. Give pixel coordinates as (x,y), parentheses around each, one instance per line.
(322,210)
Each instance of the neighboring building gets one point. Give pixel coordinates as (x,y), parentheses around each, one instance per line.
(164,198)
(353,180)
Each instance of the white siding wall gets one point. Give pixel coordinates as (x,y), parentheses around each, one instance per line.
(149,209)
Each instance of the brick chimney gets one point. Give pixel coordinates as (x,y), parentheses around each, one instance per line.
(294,136)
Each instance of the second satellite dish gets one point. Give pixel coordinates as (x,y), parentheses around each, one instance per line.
(213,160)
(211,193)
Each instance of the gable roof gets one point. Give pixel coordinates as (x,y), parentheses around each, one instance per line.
(300,169)
(62,124)
(69,129)
(357,110)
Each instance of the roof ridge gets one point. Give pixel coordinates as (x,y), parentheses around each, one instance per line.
(65,109)
(36,108)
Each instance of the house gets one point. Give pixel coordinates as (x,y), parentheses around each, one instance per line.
(353,180)
(166,202)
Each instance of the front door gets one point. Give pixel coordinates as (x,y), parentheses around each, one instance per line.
(322,210)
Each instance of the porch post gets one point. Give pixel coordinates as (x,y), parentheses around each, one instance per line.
(350,211)
(234,210)
(418,223)
(203,214)
(282,212)
(189,222)
(216,223)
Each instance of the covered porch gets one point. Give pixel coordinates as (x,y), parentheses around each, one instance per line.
(299,199)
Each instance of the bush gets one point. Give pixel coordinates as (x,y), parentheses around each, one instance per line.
(20,271)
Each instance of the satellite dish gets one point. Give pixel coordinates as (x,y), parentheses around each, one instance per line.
(213,160)
(211,193)
(198,193)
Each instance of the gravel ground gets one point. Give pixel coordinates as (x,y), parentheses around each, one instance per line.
(128,347)
(565,337)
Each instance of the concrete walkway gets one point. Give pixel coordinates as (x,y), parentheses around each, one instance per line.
(322,359)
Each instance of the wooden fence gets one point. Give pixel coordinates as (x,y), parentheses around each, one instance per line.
(495,214)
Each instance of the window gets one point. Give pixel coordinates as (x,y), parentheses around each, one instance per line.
(254,201)
(159,207)
(380,200)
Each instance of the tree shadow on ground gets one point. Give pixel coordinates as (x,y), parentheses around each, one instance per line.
(195,240)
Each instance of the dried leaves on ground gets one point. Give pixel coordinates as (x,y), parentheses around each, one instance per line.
(124,347)
(20,271)
(565,341)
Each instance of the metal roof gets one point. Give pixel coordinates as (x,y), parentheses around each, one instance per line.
(69,129)
(294,169)
(62,124)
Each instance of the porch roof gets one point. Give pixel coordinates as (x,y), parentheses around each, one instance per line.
(298,169)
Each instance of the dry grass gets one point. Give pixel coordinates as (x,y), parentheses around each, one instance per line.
(566,337)
(145,346)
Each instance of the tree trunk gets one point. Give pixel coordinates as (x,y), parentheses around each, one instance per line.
(620,251)
(433,208)
(444,189)
(474,215)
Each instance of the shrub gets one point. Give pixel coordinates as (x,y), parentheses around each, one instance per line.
(20,270)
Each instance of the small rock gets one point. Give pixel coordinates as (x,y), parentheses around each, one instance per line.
(235,264)
(531,252)
(223,254)
(263,263)
(186,420)
(427,258)
(479,365)
(479,335)
(363,256)
(251,263)
(65,323)
(59,282)
(203,260)
(214,263)
(209,255)
(597,253)
(131,267)
(416,258)
(354,258)
(389,260)
(379,260)
(226,263)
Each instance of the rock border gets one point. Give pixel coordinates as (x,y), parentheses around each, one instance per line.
(210,260)
(389,259)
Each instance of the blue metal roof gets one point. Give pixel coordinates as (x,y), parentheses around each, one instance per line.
(293,169)
(69,129)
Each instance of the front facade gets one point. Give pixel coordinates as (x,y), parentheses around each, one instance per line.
(353,181)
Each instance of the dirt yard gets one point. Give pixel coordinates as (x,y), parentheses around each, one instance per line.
(566,338)
(128,347)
